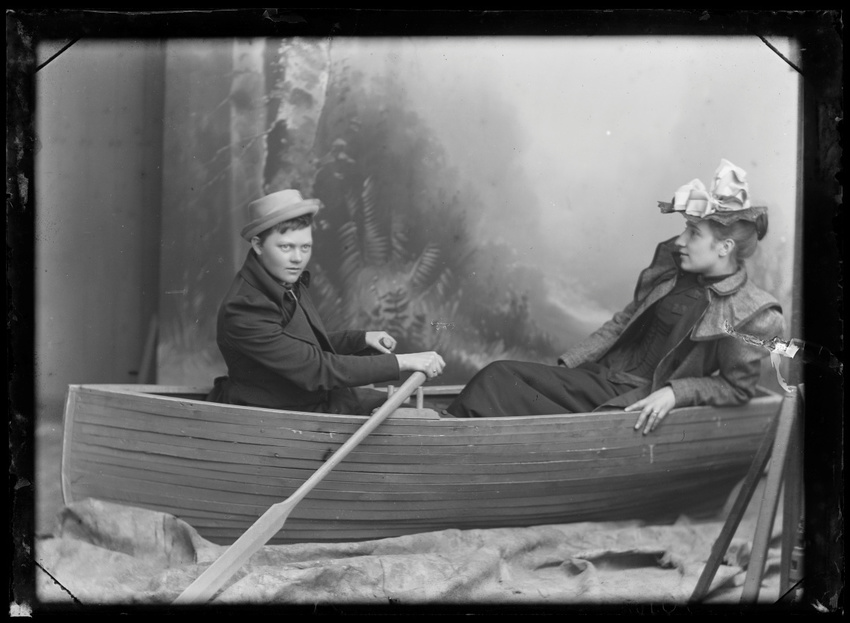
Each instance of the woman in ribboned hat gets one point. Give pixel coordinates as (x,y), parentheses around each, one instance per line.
(278,352)
(669,346)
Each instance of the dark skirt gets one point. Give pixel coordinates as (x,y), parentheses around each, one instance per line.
(510,388)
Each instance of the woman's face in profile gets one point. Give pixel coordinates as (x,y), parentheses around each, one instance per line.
(700,252)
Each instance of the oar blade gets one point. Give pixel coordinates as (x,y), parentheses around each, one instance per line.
(216,575)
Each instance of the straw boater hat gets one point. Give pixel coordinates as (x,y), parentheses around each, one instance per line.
(275,208)
(726,202)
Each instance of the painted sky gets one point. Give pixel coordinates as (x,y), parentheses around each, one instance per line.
(571,141)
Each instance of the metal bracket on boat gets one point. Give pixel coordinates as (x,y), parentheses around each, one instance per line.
(775,353)
(795,349)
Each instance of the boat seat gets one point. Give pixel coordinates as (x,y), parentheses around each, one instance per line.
(410,413)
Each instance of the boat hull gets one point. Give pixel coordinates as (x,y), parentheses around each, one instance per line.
(219,467)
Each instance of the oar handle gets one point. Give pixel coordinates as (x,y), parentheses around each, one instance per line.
(270,522)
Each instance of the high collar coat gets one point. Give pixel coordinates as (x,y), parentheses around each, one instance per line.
(704,365)
(280,355)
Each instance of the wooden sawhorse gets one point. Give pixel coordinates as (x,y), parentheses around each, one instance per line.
(783,442)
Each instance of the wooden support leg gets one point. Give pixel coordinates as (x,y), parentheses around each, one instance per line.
(739,507)
(772,490)
(792,516)
(790,571)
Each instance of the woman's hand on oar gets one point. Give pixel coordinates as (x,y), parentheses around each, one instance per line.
(270,522)
(430,363)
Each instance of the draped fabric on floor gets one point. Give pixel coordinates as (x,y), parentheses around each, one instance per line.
(103,553)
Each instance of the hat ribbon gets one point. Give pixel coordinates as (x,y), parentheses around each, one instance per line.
(729,193)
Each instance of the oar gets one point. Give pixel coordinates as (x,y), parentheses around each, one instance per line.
(270,522)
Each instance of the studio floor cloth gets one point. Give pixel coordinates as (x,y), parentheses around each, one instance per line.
(105,553)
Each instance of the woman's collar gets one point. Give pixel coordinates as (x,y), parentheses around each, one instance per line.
(729,284)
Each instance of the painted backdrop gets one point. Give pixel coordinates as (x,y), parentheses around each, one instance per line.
(489,198)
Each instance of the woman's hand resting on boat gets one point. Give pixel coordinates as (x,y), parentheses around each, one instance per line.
(381,341)
(430,363)
(654,408)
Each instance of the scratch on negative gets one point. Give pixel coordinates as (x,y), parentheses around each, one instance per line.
(57,582)
(383,576)
(651,453)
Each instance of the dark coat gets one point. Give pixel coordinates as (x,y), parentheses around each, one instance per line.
(279,354)
(704,365)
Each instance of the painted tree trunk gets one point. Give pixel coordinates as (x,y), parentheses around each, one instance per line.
(297,97)
(247,135)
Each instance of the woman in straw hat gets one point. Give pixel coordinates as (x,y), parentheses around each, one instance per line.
(278,352)
(669,346)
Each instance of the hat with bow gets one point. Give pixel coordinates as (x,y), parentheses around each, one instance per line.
(727,201)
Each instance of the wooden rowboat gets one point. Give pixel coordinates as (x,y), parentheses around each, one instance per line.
(219,467)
